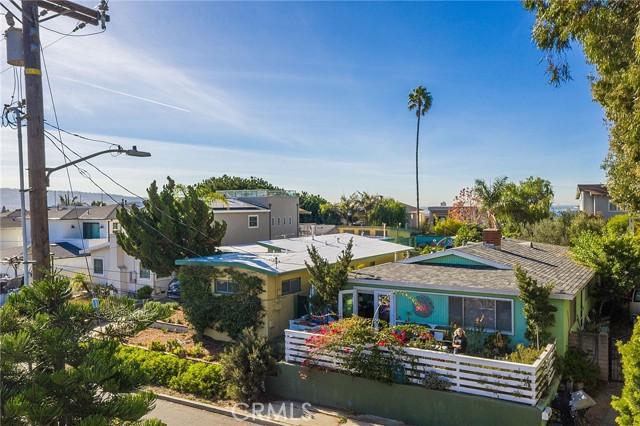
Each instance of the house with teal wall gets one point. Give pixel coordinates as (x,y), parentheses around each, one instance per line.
(471,283)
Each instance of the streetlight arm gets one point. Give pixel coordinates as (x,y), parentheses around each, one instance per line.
(131,152)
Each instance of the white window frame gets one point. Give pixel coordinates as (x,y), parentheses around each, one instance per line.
(94,266)
(615,209)
(143,277)
(495,299)
(227,281)
(257,225)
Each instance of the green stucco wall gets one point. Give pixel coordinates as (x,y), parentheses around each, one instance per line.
(410,404)
(440,316)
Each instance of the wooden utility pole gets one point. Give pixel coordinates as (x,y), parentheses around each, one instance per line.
(35,140)
(35,117)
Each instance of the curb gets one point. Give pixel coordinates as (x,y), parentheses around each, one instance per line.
(215,409)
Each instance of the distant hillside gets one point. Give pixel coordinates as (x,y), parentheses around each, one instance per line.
(10,198)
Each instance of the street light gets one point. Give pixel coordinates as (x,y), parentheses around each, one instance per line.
(130,152)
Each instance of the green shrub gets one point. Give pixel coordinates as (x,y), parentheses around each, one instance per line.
(173,344)
(196,351)
(200,379)
(576,366)
(179,374)
(156,345)
(246,365)
(525,355)
(173,305)
(144,292)
(497,344)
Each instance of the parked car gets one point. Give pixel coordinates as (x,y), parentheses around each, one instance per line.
(634,305)
(174,289)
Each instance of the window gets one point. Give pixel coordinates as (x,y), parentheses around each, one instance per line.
(98,266)
(273,221)
(278,220)
(90,230)
(225,287)
(145,273)
(253,221)
(290,220)
(613,207)
(291,286)
(495,314)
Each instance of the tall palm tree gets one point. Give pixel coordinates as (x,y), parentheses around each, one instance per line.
(491,198)
(420,100)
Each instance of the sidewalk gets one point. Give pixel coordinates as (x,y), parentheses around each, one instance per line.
(287,413)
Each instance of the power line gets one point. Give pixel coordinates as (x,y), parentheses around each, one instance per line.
(80,136)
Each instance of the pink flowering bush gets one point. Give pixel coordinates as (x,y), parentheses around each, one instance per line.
(365,351)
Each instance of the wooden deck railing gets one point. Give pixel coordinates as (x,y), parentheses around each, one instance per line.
(505,380)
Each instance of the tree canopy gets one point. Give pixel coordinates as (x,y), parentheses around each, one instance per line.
(229,183)
(607,32)
(169,228)
(311,203)
(615,257)
(388,211)
(510,205)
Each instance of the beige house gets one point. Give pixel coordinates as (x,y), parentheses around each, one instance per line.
(258,214)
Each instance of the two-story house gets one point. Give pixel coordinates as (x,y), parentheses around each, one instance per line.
(594,199)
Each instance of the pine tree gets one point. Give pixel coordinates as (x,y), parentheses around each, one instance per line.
(327,278)
(57,359)
(538,310)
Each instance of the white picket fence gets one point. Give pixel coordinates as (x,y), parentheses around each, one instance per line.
(510,381)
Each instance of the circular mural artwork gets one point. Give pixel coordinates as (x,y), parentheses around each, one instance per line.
(424,306)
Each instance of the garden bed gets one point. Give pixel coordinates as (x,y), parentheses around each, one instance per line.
(211,349)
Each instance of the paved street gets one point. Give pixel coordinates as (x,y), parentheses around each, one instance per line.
(179,415)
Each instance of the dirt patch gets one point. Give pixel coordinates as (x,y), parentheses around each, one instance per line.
(212,349)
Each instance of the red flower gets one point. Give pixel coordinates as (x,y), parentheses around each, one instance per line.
(305,362)
(347,350)
(323,330)
(382,343)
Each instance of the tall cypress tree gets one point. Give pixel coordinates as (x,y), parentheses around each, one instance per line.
(171,226)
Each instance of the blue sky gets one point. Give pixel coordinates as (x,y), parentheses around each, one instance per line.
(312,96)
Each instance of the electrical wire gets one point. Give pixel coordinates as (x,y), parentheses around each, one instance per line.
(80,136)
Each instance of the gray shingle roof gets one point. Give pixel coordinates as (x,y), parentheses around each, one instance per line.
(544,262)
(58,250)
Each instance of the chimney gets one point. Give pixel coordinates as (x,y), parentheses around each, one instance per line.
(492,237)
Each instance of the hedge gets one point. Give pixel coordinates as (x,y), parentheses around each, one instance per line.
(182,375)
